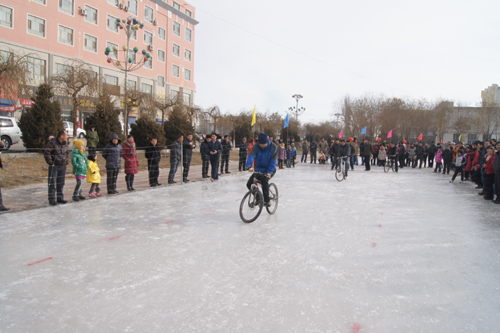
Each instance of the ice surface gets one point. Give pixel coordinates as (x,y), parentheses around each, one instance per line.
(404,252)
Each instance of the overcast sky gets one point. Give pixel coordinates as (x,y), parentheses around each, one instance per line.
(262,52)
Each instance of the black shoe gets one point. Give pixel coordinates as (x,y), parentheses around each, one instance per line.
(171,182)
(488,197)
(81,198)
(153,185)
(129,189)
(267,204)
(111,192)
(158,184)
(52,203)
(132,189)
(496,201)
(227,171)
(62,201)
(185,180)
(76,199)
(4,209)
(115,192)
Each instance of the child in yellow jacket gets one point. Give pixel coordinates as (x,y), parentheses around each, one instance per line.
(94,176)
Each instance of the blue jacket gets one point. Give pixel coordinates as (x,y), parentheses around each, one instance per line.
(214,146)
(113,153)
(265,159)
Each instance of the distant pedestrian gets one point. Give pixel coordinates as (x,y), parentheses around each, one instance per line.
(215,149)
(305,151)
(80,168)
(243,155)
(56,155)
(187,153)
(2,207)
(112,153)
(131,162)
(92,140)
(313,149)
(94,176)
(175,158)
(153,156)
(205,156)
(226,148)
(294,153)
(367,153)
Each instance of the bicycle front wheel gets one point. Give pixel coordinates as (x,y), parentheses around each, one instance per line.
(273,199)
(387,166)
(339,174)
(251,206)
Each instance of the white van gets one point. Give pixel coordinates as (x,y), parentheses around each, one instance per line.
(9,131)
(68,127)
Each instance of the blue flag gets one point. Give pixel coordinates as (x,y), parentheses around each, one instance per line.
(286,121)
(363,131)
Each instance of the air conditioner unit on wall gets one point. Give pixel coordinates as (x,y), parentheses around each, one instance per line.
(120,6)
(155,22)
(83,12)
(151,47)
(125,8)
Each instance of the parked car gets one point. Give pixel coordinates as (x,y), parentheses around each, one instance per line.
(9,131)
(68,127)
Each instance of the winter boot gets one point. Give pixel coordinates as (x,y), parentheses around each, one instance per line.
(2,207)
(488,196)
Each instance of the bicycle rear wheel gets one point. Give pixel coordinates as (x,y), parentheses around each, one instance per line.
(251,206)
(339,175)
(273,199)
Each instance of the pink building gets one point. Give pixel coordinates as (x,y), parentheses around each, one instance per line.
(53,32)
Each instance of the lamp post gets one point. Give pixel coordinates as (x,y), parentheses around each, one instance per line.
(128,64)
(295,109)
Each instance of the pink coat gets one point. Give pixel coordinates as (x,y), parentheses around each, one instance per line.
(439,157)
(130,156)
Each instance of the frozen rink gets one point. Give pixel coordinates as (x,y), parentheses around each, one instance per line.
(406,252)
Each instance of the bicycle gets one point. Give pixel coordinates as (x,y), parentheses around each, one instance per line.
(340,171)
(390,164)
(253,201)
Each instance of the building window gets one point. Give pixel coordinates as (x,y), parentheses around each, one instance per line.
(111,80)
(36,26)
(471,138)
(65,35)
(148,38)
(174,95)
(188,34)
(188,13)
(177,6)
(148,14)
(187,74)
(133,35)
(132,85)
(6,16)
(177,50)
(66,6)
(133,56)
(112,46)
(63,70)
(132,7)
(36,69)
(161,81)
(147,88)
(186,99)
(43,2)
(5,57)
(90,43)
(177,29)
(187,55)
(175,70)
(91,15)
(114,2)
(161,55)
(149,63)
(161,33)
(111,23)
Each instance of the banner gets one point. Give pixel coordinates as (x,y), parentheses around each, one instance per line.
(286,121)
(7,108)
(363,131)
(389,135)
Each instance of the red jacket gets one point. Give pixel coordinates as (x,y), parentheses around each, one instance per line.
(489,165)
(470,156)
(130,156)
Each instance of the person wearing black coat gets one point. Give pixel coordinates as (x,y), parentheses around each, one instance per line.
(226,148)
(187,152)
(367,152)
(361,152)
(175,158)
(313,148)
(215,150)
(56,155)
(392,154)
(447,159)
(205,156)
(402,153)
(153,156)
(420,151)
(343,154)
(243,155)
(2,207)
(432,153)
(112,153)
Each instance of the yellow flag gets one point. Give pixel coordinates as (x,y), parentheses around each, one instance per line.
(254,116)
(460,138)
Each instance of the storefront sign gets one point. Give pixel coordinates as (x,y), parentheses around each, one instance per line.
(64,101)
(26,102)
(7,108)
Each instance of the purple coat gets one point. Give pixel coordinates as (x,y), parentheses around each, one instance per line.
(281,153)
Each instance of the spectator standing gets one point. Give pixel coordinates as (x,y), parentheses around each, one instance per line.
(420,150)
(94,176)
(439,160)
(281,155)
(294,153)
(313,148)
(496,168)
(447,159)
(355,152)
(367,151)
(205,157)
(2,207)
(243,155)
(131,162)
(361,152)
(489,177)
(187,154)
(56,155)
(322,145)
(226,148)
(215,149)
(92,140)
(402,153)
(382,156)
(80,168)
(112,153)
(175,158)
(432,153)
(153,156)
(305,151)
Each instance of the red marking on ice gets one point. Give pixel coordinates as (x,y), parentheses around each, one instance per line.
(39,261)
(116,237)
(209,208)
(238,200)
(356,327)
(381,213)
(374,244)
(169,221)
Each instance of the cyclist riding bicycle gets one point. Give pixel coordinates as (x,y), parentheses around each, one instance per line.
(392,153)
(344,151)
(264,154)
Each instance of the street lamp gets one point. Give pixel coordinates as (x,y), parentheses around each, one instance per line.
(129,25)
(295,109)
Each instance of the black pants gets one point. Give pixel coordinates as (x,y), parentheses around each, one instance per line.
(77,193)
(367,163)
(401,161)
(94,187)
(446,167)
(438,167)
(186,164)
(265,185)
(457,170)
(489,180)
(304,158)
(56,182)
(394,160)
(313,156)
(224,160)
(497,185)
(242,163)
(421,159)
(112,175)
(129,180)
(204,167)
(154,173)
(280,164)
(431,160)
(214,162)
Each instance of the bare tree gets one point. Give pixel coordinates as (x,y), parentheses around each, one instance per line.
(487,118)
(76,79)
(15,75)
(164,105)
(213,114)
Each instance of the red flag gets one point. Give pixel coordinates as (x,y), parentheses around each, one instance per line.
(420,137)
(389,135)
(340,134)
